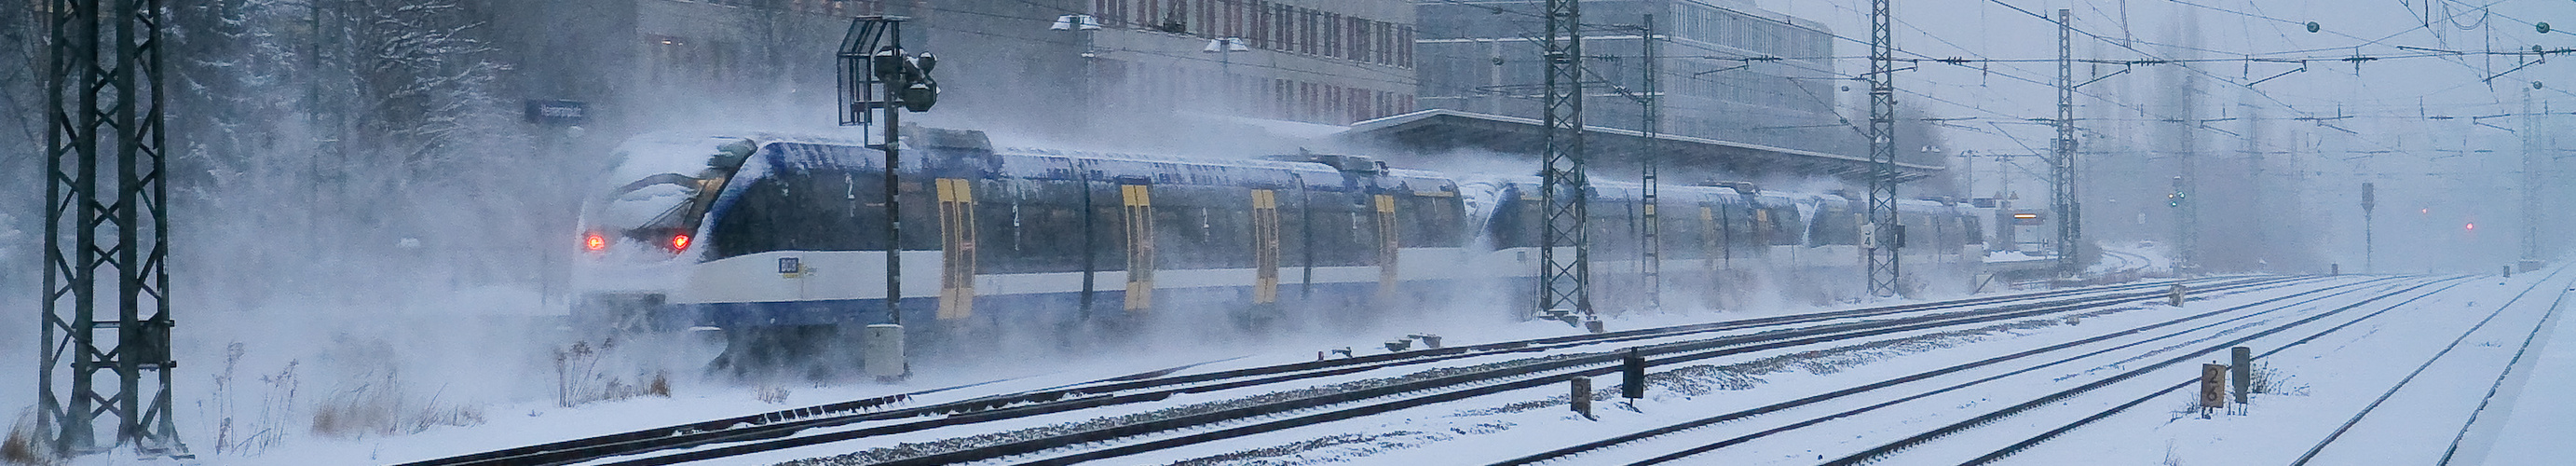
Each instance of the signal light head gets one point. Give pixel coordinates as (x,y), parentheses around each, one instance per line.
(679,243)
(594,242)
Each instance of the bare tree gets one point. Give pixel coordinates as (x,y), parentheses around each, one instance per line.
(334,135)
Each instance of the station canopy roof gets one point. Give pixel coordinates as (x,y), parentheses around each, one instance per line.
(1444,129)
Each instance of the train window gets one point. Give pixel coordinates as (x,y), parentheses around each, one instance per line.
(1786,227)
(1681,232)
(1108,228)
(1834,225)
(1736,223)
(1230,233)
(1202,227)
(1764,227)
(1363,245)
(810,211)
(1430,221)
(1292,227)
(1515,223)
(1030,225)
(1614,229)
(1177,237)
(1341,234)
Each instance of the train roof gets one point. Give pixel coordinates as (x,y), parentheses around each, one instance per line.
(1627,189)
(687,154)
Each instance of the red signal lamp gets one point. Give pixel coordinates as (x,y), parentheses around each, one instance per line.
(594,242)
(679,242)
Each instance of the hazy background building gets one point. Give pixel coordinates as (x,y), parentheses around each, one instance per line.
(1729,71)
(1098,70)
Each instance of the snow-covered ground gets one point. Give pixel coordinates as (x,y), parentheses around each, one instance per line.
(2327,381)
(2334,378)
(2530,419)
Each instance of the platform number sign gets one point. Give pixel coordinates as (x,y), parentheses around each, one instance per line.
(2213,385)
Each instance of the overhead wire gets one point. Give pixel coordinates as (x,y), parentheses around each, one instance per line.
(2258,92)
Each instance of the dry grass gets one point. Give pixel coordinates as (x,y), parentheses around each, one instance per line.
(2271,381)
(380,407)
(22,446)
(771,394)
(583,376)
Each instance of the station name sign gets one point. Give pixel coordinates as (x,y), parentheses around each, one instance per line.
(557,112)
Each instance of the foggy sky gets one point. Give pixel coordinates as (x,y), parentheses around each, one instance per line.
(2459,171)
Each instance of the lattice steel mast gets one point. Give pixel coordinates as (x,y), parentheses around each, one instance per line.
(105,219)
(1650,124)
(1561,285)
(2061,180)
(2532,180)
(1882,153)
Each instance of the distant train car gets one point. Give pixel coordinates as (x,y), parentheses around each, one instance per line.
(1722,240)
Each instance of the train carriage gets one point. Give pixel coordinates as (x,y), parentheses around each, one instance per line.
(781,238)
(786,233)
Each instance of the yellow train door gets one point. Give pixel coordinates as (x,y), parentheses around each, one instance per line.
(1265,246)
(1139,203)
(956,248)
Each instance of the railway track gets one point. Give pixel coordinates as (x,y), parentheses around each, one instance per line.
(2046,414)
(2555,281)
(2057,400)
(1123,441)
(2401,384)
(1849,395)
(771,431)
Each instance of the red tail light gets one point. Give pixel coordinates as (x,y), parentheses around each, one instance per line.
(594,242)
(679,242)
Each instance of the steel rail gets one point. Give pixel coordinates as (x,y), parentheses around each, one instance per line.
(787,422)
(1703,422)
(2419,370)
(1999,454)
(1526,380)
(2546,319)
(1982,420)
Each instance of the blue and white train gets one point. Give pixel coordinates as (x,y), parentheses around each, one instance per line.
(771,235)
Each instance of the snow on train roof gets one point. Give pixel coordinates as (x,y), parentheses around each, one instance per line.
(658,153)
(1494,183)
(686,153)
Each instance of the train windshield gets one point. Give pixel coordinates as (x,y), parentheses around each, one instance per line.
(663,188)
